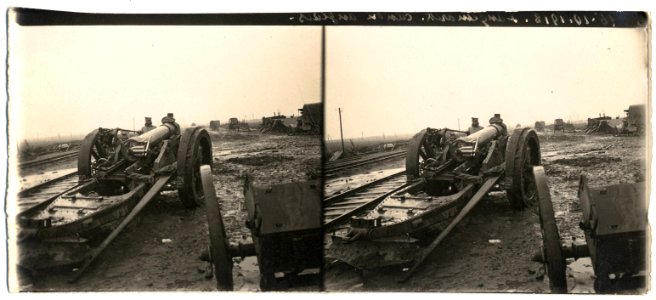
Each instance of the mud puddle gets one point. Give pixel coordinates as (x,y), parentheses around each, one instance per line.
(581,276)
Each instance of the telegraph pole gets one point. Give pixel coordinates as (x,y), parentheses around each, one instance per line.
(341,133)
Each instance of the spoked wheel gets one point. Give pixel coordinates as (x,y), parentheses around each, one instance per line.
(422,147)
(522,153)
(195,150)
(219,245)
(95,147)
(552,253)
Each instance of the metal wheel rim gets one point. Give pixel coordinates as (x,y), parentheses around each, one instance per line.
(529,193)
(219,246)
(522,154)
(420,150)
(91,151)
(195,149)
(552,253)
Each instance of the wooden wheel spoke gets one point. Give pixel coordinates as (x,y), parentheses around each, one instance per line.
(99,147)
(95,154)
(428,148)
(422,153)
(198,160)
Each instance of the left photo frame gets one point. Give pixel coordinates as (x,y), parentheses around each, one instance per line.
(134,147)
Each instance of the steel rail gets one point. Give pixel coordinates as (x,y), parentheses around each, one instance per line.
(330,169)
(360,198)
(43,161)
(45,191)
(45,184)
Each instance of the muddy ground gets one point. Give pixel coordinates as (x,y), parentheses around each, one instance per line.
(160,251)
(491,249)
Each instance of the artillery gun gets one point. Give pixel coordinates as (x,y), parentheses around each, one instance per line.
(119,173)
(615,226)
(285,225)
(448,173)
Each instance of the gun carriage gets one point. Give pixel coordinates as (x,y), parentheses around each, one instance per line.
(448,172)
(120,171)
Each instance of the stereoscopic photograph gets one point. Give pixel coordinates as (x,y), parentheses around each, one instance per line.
(500,152)
(136,148)
(487,159)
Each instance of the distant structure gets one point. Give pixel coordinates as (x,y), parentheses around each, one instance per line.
(635,120)
(214,125)
(310,119)
(539,126)
(600,125)
(559,125)
(233,124)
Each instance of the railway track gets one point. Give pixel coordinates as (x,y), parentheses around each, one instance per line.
(339,208)
(332,167)
(45,191)
(48,160)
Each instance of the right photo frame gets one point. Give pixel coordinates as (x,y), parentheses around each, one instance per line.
(487,152)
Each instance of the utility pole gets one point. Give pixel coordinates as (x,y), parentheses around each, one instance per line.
(341,133)
(458,123)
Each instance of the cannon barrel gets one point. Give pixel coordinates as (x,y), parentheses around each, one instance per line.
(467,146)
(156,135)
(484,135)
(137,146)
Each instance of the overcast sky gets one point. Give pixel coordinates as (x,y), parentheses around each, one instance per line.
(402,79)
(72,79)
